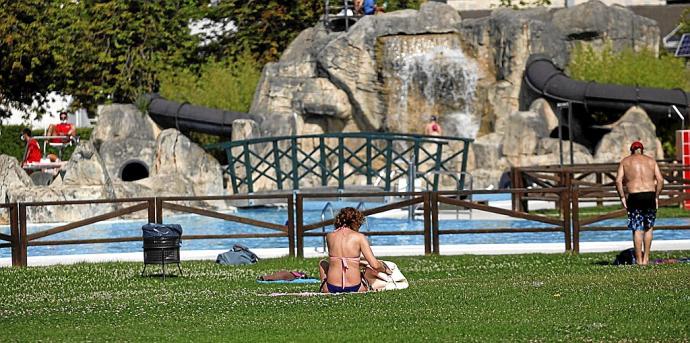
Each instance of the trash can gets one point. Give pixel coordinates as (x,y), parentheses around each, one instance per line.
(161,245)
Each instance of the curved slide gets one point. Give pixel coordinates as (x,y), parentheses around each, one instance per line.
(548,81)
(187,117)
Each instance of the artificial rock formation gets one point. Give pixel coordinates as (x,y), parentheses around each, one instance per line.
(12,176)
(124,133)
(634,125)
(391,72)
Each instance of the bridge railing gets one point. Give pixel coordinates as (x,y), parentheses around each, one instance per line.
(296,162)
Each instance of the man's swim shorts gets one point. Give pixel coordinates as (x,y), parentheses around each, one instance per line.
(641,210)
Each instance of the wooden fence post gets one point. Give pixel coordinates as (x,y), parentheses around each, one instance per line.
(576,219)
(565,212)
(14,232)
(159,211)
(600,183)
(516,182)
(300,225)
(23,243)
(427,223)
(434,224)
(291,224)
(152,210)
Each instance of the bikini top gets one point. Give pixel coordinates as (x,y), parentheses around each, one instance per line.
(343,260)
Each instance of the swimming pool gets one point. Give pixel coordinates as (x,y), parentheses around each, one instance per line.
(194,224)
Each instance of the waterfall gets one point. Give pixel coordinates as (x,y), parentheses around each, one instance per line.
(434,78)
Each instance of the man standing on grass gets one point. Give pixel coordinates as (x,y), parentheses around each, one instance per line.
(643,180)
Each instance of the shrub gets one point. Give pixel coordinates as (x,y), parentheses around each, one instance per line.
(628,67)
(632,68)
(226,85)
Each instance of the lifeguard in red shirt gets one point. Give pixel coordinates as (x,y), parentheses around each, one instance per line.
(33,150)
(63,128)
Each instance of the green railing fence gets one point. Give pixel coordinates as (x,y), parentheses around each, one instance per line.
(337,159)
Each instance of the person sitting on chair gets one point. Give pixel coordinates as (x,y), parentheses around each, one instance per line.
(63,128)
(341,273)
(33,150)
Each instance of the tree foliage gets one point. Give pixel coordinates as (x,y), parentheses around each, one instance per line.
(628,67)
(227,84)
(632,68)
(102,51)
(26,59)
(97,51)
(266,28)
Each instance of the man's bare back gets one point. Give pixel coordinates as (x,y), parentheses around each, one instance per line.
(644,182)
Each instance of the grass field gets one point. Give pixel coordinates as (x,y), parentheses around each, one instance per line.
(663,212)
(459,298)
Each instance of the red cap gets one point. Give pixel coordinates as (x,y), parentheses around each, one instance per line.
(636,145)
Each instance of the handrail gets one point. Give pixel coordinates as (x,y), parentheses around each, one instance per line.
(378,135)
(289,162)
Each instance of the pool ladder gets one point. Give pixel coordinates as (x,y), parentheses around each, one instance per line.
(329,207)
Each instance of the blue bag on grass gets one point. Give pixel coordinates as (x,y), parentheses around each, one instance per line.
(238,255)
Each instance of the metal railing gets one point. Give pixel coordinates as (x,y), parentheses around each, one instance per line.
(344,11)
(338,159)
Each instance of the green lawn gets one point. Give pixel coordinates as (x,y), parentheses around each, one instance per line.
(460,298)
(663,212)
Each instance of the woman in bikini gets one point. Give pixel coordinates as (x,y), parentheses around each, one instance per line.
(341,273)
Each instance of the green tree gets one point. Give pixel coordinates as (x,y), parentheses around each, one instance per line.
(26,60)
(97,51)
(266,28)
(113,50)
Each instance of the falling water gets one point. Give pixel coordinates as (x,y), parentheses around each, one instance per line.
(431,76)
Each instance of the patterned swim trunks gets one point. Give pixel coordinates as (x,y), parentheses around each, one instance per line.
(641,219)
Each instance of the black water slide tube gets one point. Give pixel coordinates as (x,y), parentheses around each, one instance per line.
(546,80)
(186,117)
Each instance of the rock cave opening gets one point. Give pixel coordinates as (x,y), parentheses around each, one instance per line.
(133,170)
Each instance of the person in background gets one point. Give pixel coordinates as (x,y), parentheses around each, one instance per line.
(341,273)
(644,182)
(433,128)
(33,150)
(63,128)
(367,7)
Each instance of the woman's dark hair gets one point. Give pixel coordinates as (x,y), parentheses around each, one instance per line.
(349,217)
(27,131)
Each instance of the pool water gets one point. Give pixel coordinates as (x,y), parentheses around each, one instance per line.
(194,224)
